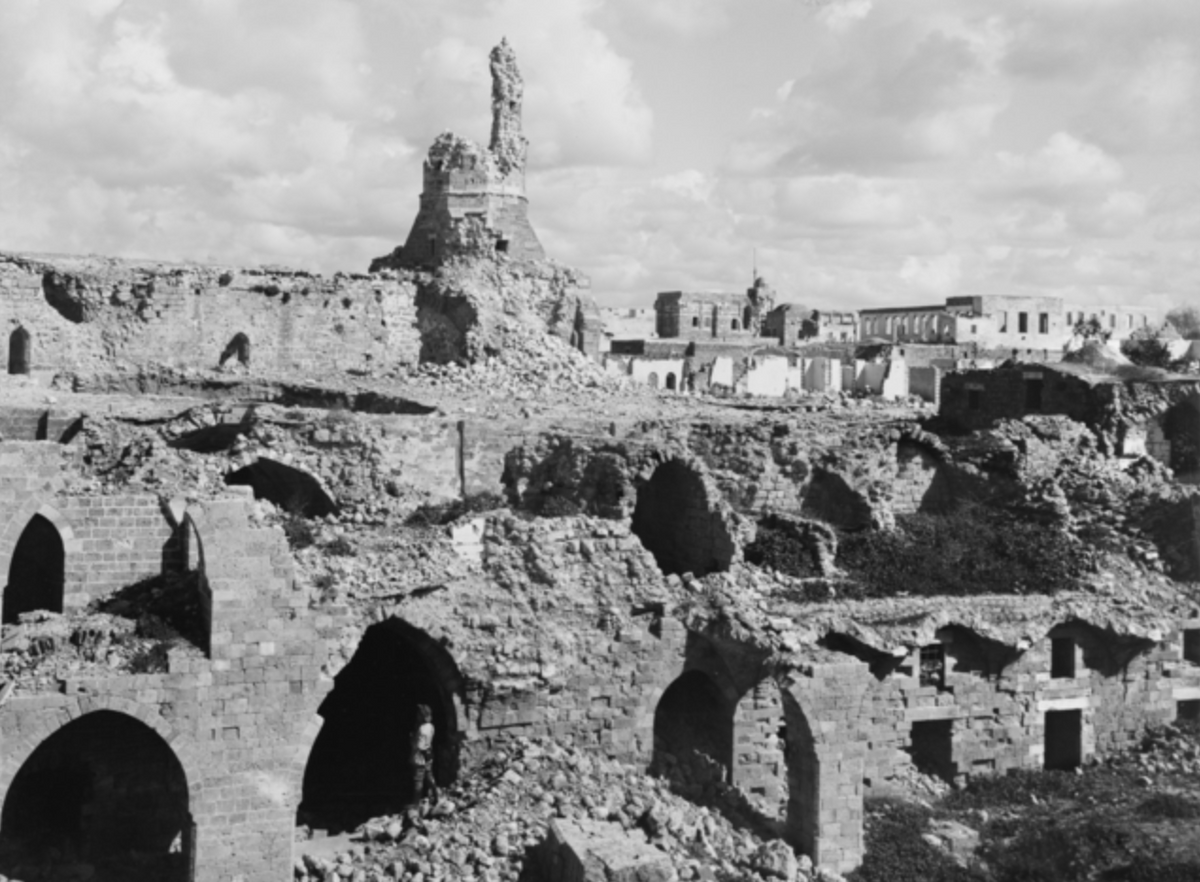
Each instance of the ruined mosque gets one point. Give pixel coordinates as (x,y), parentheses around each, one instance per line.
(382,576)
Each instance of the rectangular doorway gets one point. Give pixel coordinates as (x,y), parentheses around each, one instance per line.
(932,748)
(1064,739)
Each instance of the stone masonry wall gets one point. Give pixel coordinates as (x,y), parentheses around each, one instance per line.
(241,721)
(112,312)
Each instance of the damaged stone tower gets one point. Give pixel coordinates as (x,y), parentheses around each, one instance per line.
(473,200)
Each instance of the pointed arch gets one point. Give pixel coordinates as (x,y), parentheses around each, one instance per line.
(103,787)
(360,763)
(37,566)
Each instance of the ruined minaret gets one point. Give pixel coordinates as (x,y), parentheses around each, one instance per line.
(473,199)
(508,145)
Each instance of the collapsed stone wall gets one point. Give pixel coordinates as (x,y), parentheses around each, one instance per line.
(568,627)
(89,315)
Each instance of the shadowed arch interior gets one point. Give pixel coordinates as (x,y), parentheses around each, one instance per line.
(35,576)
(360,765)
(674,523)
(105,790)
(692,722)
(290,489)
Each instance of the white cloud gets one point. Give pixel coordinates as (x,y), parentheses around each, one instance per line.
(1064,161)
(840,15)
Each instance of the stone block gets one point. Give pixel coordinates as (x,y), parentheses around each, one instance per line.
(598,851)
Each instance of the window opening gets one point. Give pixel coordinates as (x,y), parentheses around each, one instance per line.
(1062,658)
(933,666)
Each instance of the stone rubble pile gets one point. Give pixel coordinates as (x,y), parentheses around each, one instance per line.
(45,648)
(494,825)
(1170,750)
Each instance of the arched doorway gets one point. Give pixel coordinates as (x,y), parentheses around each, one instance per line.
(360,766)
(674,522)
(671,381)
(693,735)
(105,791)
(652,380)
(35,575)
(19,351)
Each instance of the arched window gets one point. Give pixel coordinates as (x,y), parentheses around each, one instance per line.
(652,380)
(695,321)
(35,576)
(733,325)
(18,351)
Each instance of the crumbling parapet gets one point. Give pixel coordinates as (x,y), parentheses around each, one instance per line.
(473,200)
(508,144)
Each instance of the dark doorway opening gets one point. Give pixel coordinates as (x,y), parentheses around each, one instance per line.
(932,748)
(1181,426)
(35,576)
(1064,739)
(1033,396)
(1188,711)
(104,792)
(693,736)
(671,381)
(674,523)
(361,763)
(290,489)
(18,351)
(238,347)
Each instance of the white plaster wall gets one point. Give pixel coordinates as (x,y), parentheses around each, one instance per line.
(768,377)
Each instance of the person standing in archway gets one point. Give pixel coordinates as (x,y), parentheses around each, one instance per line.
(422,757)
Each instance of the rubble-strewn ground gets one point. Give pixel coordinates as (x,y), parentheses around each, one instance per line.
(491,824)
(1130,819)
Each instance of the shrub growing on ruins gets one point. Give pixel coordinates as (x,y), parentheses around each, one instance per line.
(1169,806)
(777,549)
(895,851)
(297,529)
(441,513)
(976,550)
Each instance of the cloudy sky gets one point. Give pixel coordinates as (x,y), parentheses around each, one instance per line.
(874,152)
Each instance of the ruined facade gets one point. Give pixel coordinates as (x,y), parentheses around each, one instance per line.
(473,197)
(697,315)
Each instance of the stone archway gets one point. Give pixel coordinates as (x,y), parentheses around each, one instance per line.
(693,735)
(360,764)
(36,572)
(106,793)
